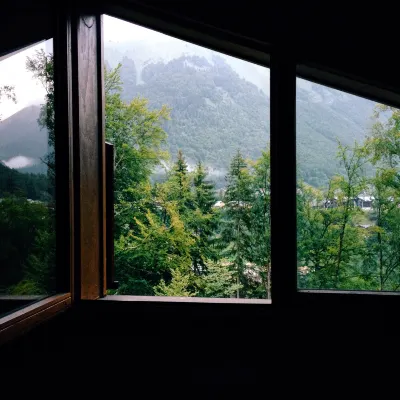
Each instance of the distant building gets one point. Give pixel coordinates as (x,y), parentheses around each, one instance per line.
(364,201)
(304,270)
(219,204)
(365,226)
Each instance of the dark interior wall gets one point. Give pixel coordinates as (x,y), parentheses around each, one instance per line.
(231,342)
(24,23)
(121,347)
(352,40)
(358,41)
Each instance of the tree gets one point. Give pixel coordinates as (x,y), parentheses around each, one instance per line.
(330,245)
(137,135)
(261,220)
(384,149)
(179,286)
(179,185)
(347,188)
(22,224)
(316,236)
(235,234)
(154,251)
(204,220)
(8,92)
(383,263)
(42,68)
(219,281)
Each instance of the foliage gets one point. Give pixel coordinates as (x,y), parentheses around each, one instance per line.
(27,209)
(8,92)
(220,280)
(42,68)
(25,248)
(236,221)
(171,239)
(177,287)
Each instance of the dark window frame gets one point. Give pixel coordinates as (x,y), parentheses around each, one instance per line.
(25,318)
(285,66)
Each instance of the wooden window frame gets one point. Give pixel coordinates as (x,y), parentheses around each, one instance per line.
(79,171)
(80,161)
(285,66)
(25,318)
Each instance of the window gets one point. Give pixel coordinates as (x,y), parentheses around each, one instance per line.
(190,131)
(27,177)
(348,198)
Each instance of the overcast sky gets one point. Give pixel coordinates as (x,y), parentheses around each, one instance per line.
(27,89)
(117,30)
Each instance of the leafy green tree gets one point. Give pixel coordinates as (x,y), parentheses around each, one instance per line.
(383,147)
(42,68)
(347,188)
(382,266)
(154,251)
(137,135)
(331,246)
(7,92)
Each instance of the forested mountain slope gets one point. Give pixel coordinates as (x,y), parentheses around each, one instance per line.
(22,142)
(220,104)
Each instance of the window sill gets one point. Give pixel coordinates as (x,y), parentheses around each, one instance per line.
(19,322)
(344,298)
(347,292)
(201,300)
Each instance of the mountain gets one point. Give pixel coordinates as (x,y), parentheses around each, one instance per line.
(221,104)
(325,116)
(214,112)
(22,142)
(218,104)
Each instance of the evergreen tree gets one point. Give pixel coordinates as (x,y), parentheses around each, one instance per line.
(236,222)
(261,221)
(179,286)
(203,221)
(220,280)
(179,185)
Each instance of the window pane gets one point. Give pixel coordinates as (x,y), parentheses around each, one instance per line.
(27,176)
(190,129)
(348,194)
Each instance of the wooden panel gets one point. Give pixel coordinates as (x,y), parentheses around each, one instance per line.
(110,267)
(87,160)
(20,321)
(283,178)
(102,162)
(64,153)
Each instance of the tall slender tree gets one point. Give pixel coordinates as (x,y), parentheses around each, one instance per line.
(260,253)
(236,221)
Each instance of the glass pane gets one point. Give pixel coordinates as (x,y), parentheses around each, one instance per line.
(348,195)
(27,176)
(190,129)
